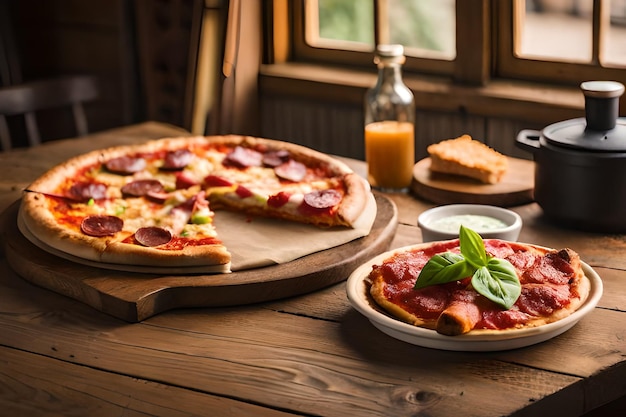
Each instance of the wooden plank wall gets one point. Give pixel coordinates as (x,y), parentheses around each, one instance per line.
(338,129)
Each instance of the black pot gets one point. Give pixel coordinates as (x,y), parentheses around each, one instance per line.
(580,164)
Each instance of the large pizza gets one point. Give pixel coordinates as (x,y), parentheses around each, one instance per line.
(154,203)
(549,286)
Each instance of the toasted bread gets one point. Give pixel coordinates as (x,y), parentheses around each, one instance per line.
(469,158)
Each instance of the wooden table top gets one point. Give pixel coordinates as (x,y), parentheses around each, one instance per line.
(311,355)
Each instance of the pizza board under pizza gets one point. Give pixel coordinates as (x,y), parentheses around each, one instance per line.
(515,188)
(137,296)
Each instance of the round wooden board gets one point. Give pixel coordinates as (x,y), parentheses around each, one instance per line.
(135,296)
(515,188)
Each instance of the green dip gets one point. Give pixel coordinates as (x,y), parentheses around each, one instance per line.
(478,223)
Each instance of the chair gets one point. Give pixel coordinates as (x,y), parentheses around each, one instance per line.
(28,98)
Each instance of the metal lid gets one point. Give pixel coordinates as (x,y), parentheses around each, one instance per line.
(574,134)
(601,130)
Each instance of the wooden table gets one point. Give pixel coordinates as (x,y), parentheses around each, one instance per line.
(311,355)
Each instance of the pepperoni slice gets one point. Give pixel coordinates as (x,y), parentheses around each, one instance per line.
(321,199)
(153,236)
(158,196)
(275,158)
(101,225)
(291,171)
(125,165)
(84,191)
(139,188)
(244,157)
(178,159)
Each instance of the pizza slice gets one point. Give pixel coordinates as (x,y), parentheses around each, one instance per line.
(286,181)
(553,286)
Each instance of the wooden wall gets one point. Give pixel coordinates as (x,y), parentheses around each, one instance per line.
(143,50)
(140,50)
(58,37)
(338,128)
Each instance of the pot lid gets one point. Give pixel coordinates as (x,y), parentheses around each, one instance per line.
(601,129)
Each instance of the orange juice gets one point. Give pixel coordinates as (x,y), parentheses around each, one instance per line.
(390,154)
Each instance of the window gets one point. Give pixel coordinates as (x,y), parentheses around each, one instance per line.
(346,31)
(563,41)
(559,41)
(425,28)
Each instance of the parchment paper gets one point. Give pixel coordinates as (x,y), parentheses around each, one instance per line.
(255,242)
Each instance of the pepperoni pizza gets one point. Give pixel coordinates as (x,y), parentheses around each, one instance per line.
(553,286)
(153,204)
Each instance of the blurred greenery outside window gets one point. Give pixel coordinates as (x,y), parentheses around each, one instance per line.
(588,36)
(426,26)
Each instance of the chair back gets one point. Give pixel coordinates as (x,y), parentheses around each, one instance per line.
(28,98)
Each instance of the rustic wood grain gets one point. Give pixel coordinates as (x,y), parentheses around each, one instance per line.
(292,359)
(136,296)
(310,354)
(85,391)
(194,349)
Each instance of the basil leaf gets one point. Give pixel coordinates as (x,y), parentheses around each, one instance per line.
(443,268)
(494,278)
(498,282)
(472,247)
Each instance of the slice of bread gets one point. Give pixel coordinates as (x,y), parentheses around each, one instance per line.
(469,158)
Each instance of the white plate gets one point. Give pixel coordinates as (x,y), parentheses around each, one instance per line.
(358,294)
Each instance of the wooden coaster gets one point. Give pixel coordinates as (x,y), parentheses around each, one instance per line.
(516,187)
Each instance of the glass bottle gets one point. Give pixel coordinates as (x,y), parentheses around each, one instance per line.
(390,124)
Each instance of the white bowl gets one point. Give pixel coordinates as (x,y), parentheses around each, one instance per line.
(510,223)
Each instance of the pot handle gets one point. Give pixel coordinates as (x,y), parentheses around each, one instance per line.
(528,139)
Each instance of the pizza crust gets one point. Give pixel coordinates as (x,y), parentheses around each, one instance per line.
(117,252)
(377,291)
(354,203)
(38,220)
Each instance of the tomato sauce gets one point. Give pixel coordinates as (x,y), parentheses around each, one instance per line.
(545,284)
(63,213)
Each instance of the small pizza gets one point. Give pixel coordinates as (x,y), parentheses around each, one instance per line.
(153,204)
(553,286)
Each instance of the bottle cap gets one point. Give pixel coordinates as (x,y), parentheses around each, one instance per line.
(389,53)
(389,50)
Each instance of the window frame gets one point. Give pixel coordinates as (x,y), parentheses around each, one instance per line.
(508,65)
(487,23)
(362,56)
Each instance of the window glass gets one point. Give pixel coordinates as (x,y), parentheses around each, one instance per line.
(341,20)
(615,47)
(424,27)
(556,30)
